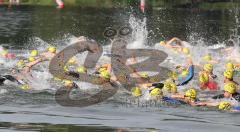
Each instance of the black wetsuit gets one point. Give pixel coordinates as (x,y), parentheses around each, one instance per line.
(236,96)
(7,77)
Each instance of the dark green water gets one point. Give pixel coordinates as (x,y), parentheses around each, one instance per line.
(20,24)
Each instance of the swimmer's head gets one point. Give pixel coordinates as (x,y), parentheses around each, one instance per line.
(170,86)
(184,73)
(162,43)
(230,66)
(105,74)
(224,105)
(68,83)
(34,53)
(81,69)
(20,64)
(31,59)
(144,75)
(102,69)
(72,61)
(191,94)
(207,57)
(173,75)
(208,67)
(228,74)
(4,52)
(52,49)
(136,92)
(229,89)
(25,87)
(186,51)
(156,92)
(65,68)
(203,78)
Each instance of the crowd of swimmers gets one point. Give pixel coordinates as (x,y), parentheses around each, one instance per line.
(166,90)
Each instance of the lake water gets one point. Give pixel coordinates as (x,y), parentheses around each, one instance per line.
(24,28)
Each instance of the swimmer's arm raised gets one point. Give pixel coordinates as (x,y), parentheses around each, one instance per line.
(174,39)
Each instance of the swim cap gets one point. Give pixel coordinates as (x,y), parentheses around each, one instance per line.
(81,69)
(228,74)
(156,92)
(102,69)
(191,93)
(25,87)
(203,78)
(31,59)
(173,75)
(162,43)
(186,51)
(230,66)
(65,68)
(57,79)
(72,61)
(52,49)
(230,88)
(68,83)
(136,92)
(34,53)
(105,74)
(170,87)
(20,64)
(144,75)
(4,52)
(208,67)
(224,105)
(207,57)
(184,73)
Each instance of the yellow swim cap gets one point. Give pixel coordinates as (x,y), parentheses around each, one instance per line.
(52,49)
(228,74)
(105,74)
(173,75)
(72,61)
(4,52)
(224,105)
(207,57)
(230,87)
(144,75)
(191,93)
(156,92)
(65,68)
(81,69)
(170,87)
(102,69)
(208,67)
(136,92)
(68,83)
(184,73)
(57,79)
(31,59)
(20,64)
(203,78)
(230,66)
(34,53)
(25,87)
(162,43)
(186,51)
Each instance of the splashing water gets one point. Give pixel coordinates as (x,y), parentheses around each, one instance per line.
(140,32)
